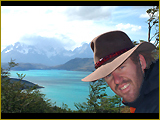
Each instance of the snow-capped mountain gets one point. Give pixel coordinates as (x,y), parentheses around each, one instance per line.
(19,47)
(24,53)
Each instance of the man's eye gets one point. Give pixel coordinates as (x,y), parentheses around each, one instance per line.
(109,75)
(121,67)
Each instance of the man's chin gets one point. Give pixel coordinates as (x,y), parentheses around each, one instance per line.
(129,99)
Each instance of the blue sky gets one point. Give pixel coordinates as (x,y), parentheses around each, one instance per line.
(70,25)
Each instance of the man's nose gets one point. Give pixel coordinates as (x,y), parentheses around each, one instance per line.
(117,77)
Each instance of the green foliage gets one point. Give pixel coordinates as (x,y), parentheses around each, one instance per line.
(15,98)
(153,21)
(99,101)
(21,76)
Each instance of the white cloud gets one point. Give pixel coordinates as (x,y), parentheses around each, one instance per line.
(144,15)
(34,20)
(51,22)
(64,23)
(128,26)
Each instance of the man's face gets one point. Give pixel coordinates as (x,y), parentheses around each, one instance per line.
(126,80)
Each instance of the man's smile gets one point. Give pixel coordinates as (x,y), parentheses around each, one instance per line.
(125,88)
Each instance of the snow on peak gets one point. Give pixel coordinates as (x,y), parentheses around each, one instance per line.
(8,50)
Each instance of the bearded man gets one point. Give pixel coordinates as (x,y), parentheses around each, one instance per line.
(131,71)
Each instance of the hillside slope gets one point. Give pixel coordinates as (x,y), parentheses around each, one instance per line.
(77,64)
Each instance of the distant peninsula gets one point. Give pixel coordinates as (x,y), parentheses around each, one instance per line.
(26,83)
(76,64)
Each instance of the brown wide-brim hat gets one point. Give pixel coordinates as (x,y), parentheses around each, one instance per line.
(111,49)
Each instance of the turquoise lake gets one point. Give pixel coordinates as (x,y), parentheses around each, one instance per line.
(61,86)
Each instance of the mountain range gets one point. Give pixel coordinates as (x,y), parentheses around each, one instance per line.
(77,64)
(31,57)
(51,56)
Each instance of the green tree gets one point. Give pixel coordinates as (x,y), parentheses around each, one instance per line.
(15,98)
(99,101)
(153,21)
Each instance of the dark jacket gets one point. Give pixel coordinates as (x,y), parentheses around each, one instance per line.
(148,101)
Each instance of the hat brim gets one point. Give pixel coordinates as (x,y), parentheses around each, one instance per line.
(107,68)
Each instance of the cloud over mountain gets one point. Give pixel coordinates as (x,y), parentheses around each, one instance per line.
(61,41)
(69,23)
(48,54)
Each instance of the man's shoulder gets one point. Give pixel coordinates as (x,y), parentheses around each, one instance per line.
(150,103)
(151,92)
(152,78)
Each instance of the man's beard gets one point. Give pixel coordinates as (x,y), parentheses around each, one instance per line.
(139,81)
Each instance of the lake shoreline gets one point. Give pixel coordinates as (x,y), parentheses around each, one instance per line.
(26,83)
(61,86)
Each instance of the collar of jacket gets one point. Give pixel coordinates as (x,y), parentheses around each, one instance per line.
(148,85)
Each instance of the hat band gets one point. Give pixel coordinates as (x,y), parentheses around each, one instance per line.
(102,60)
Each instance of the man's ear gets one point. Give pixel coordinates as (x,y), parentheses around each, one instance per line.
(142,61)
